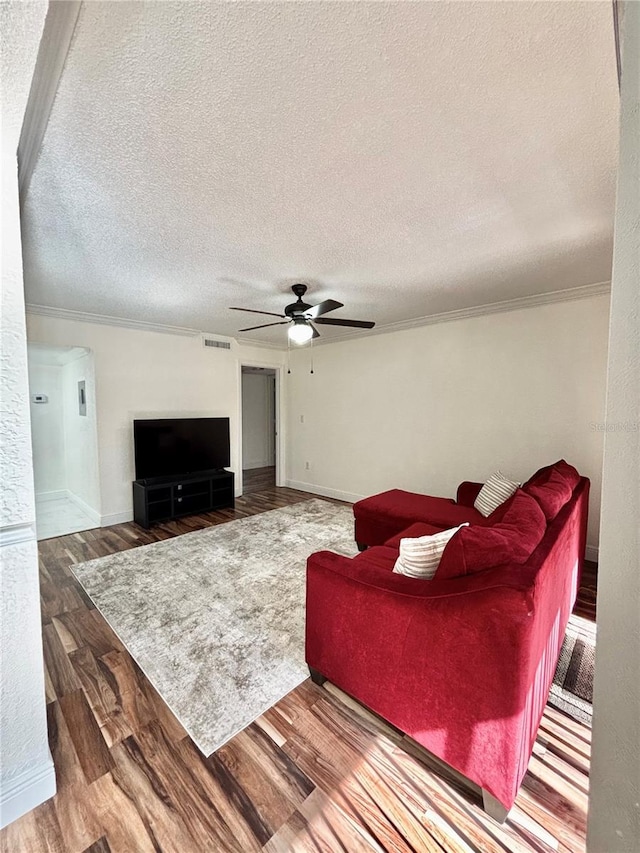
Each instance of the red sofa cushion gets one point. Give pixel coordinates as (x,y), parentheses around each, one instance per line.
(570,473)
(379,556)
(499,512)
(420,528)
(511,540)
(410,507)
(567,471)
(552,492)
(467,492)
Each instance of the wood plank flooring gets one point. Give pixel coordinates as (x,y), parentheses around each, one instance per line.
(315,773)
(258,479)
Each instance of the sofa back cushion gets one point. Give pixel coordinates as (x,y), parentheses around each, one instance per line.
(552,493)
(511,540)
(553,486)
(567,471)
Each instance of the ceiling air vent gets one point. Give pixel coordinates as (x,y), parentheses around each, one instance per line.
(212,342)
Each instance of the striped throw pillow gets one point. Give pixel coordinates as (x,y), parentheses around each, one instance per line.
(420,557)
(495,491)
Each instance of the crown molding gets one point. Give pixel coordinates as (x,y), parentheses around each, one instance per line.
(107,320)
(59,27)
(250,342)
(587,291)
(141,325)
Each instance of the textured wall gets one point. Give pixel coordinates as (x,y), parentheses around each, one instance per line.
(24,750)
(26,770)
(406,158)
(16,496)
(426,408)
(614,812)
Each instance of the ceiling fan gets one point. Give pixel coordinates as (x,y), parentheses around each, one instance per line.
(298,316)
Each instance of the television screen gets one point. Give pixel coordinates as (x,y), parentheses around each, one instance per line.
(180,446)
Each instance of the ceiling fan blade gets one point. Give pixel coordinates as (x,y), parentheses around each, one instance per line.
(316,333)
(323,308)
(356,324)
(251,311)
(266,325)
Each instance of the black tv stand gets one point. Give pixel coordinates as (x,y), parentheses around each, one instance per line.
(157,499)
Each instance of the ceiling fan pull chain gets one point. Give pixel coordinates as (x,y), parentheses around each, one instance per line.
(311,355)
(288,355)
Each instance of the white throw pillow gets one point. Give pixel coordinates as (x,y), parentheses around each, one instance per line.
(420,557)
(495,491)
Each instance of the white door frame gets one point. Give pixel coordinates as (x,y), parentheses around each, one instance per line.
(280,421)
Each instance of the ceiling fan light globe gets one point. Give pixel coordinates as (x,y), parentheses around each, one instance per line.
(300,333)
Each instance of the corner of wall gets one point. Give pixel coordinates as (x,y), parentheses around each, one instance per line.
(26,791)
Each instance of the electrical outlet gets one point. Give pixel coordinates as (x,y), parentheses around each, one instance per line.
(306,466)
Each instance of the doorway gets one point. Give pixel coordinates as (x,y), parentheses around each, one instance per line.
(259,429)
(63,439)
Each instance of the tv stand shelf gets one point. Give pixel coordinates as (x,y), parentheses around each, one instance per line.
(157,499)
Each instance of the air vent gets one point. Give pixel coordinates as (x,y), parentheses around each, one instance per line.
(212,342)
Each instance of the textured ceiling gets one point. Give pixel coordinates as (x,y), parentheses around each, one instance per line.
(20,32)
(403,158)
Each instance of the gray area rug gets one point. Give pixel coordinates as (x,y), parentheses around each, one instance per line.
(216,618)
(572,687)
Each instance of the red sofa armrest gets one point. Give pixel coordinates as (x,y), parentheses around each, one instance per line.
(468,492)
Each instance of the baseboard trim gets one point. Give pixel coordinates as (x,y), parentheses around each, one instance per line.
(591,553)
(93,514)
(54,495)
(13,534)
(348,497)
(249,466)
(116,518)
(26,791)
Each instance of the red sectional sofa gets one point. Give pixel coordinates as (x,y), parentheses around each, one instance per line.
(462,663)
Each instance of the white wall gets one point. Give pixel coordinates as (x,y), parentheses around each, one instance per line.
(26,770)
(149,374)
(258,439)
(80,433)
(614,803)
(425,408)
(47,428)
(65,448)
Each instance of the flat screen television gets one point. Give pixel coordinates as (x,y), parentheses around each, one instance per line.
(180,446)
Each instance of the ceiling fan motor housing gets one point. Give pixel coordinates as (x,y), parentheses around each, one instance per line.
(298,307)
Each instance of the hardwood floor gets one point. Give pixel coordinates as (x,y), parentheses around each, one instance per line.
(315,773)
(586,601)
(258,479)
